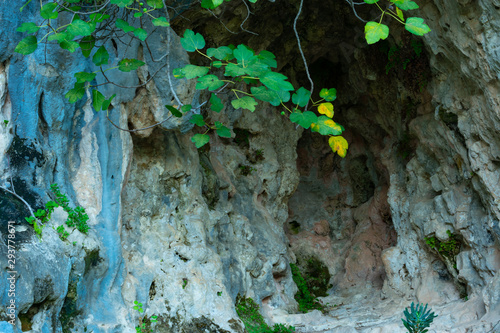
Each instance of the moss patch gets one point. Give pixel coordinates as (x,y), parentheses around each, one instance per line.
(69,309)
(92,259)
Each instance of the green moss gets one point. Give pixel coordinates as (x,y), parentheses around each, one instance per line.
(448,249)
(305,296)
(246,170)
(69,310)
(91,260)
(248,311)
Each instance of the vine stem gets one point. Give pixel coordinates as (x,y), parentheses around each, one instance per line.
(300,48)
(13,192)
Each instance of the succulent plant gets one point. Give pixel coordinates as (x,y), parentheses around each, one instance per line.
(418,319)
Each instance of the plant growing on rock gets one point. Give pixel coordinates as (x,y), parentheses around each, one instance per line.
(76,217)
(249,314)
(304,296)
(418,319)
(448,249)
(144,323)
(88,26)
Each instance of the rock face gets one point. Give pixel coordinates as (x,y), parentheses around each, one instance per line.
(411,214)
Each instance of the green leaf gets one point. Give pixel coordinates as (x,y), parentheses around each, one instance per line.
(245,102)
(328,94)
(186,108)
(250,81)
(174,111)
(375,31)
(211,4)
(82,77)
(69,45)
(75,94)
(216,103)
(98,17)
(416,26)
(122,3)
(221,53)
(301,97)
(192,71)
(197,119)
(60,37)
(86,45)
(27,45)
(234,70)
(191,41)
(141,34)
(405,4)
(284,96)
(29,27)
(266,95)
(47,11)
(256,68)
(101,57)
(200,140)
(210,82)
(155,3)
(121,24)
(222,130)
(243,55)
(268,58)
(217,64)
(326,126)
(127,65)
(80,28)
(371,1)
(304,119)
(161,22)
(97,100)
(276,81)
(107,103)
(178,73)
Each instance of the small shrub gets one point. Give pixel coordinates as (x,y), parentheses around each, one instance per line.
(418,319)
(76,217)
(249,314)
(63,234)
(246,170)
(144,323)
(304,297)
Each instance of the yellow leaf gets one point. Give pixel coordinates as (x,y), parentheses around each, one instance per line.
(400,14)
(338,145)
(326,109)
(334,125)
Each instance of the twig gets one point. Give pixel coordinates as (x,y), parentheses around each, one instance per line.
(246,18)
(20,198)
(300,49)
(168,57)
(86,13)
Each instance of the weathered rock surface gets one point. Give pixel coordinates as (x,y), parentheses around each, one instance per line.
(185,231)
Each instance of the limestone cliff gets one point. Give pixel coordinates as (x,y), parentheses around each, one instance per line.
(185,231)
